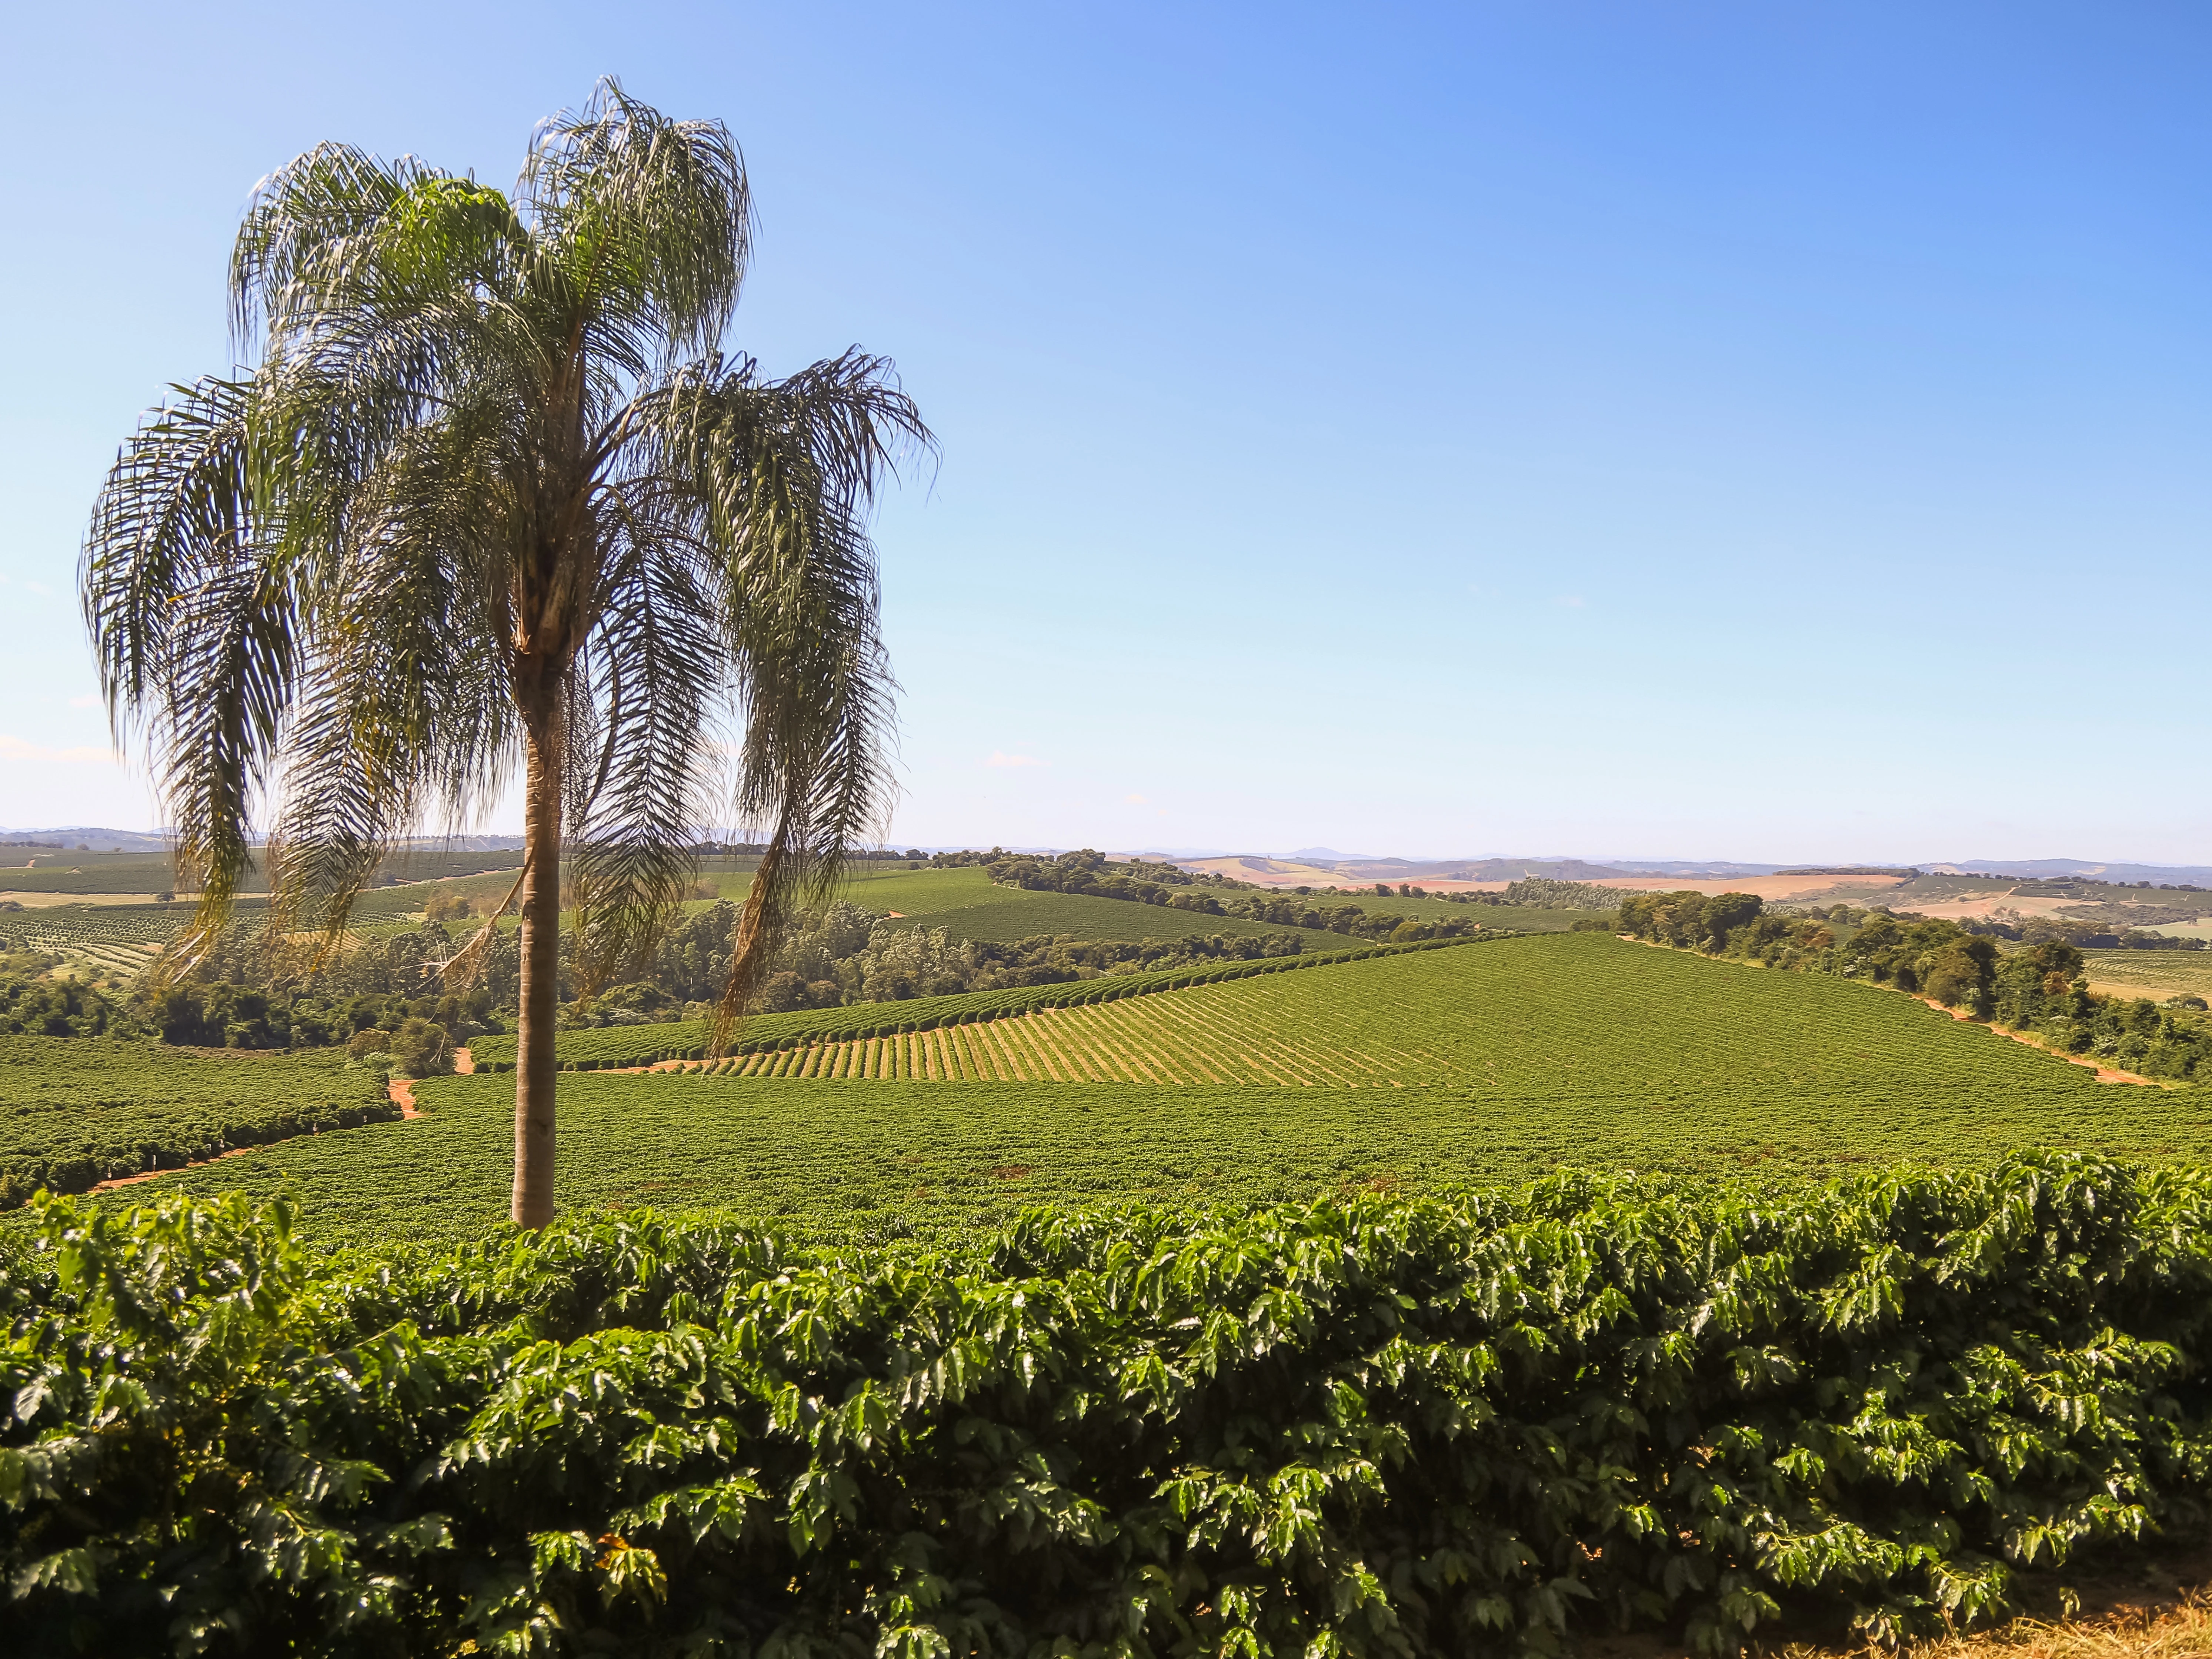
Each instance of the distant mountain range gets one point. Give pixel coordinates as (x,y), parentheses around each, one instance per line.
(1369,867)
(1357,866)
(78,838)
(1372,868)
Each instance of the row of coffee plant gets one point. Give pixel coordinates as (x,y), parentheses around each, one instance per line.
(2037,988)
(1358,1428)
(75,1111)
(648,1045)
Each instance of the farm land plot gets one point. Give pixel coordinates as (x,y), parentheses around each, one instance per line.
(119,939)
(1578,1012)
(74,1110)
(962,901)
(606,1047)
(967,905)
(965,901)
(39,870)
(123,938)
(2157,975)
(1516,1056)
(122,935)
(1509,918)
(870,1161)
(42,870)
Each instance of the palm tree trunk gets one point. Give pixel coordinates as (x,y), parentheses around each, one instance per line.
(538,1010)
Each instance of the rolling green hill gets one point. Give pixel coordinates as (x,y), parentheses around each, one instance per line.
(1484,1063)
(965,903)
(603,1047)
(1580,1013)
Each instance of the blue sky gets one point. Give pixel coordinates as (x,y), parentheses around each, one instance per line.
(1725,430)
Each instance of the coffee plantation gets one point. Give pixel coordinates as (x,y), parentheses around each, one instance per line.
(1362,1428)
(78,1111)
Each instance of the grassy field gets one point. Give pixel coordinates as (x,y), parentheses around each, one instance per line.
(2157,975)
(1519,1055)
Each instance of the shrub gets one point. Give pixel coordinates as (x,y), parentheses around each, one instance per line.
(1371,1426)
(373,1041)
(422,1047)
(447,905)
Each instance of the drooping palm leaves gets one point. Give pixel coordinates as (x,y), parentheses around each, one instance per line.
(491,494)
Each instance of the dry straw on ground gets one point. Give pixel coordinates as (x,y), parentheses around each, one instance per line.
(2174,1633)
(2158,1606)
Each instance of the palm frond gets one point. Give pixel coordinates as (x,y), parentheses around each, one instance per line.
(195,624)
(176,505)
(645,220)
(661,670)
(406,709)
(780,475)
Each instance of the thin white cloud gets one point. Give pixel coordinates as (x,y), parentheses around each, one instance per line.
(15,749)
(38,588)
(1136,800)
(88,701)
(999,758)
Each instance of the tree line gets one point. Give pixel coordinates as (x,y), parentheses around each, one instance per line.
(1089,873)
(244,994)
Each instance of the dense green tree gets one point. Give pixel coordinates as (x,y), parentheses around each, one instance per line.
(488,499)
(424,1047)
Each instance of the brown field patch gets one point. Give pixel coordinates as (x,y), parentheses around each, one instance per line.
(1988,904)
(1280,874)
(1774,890)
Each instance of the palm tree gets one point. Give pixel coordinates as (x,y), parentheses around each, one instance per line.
(491,491)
